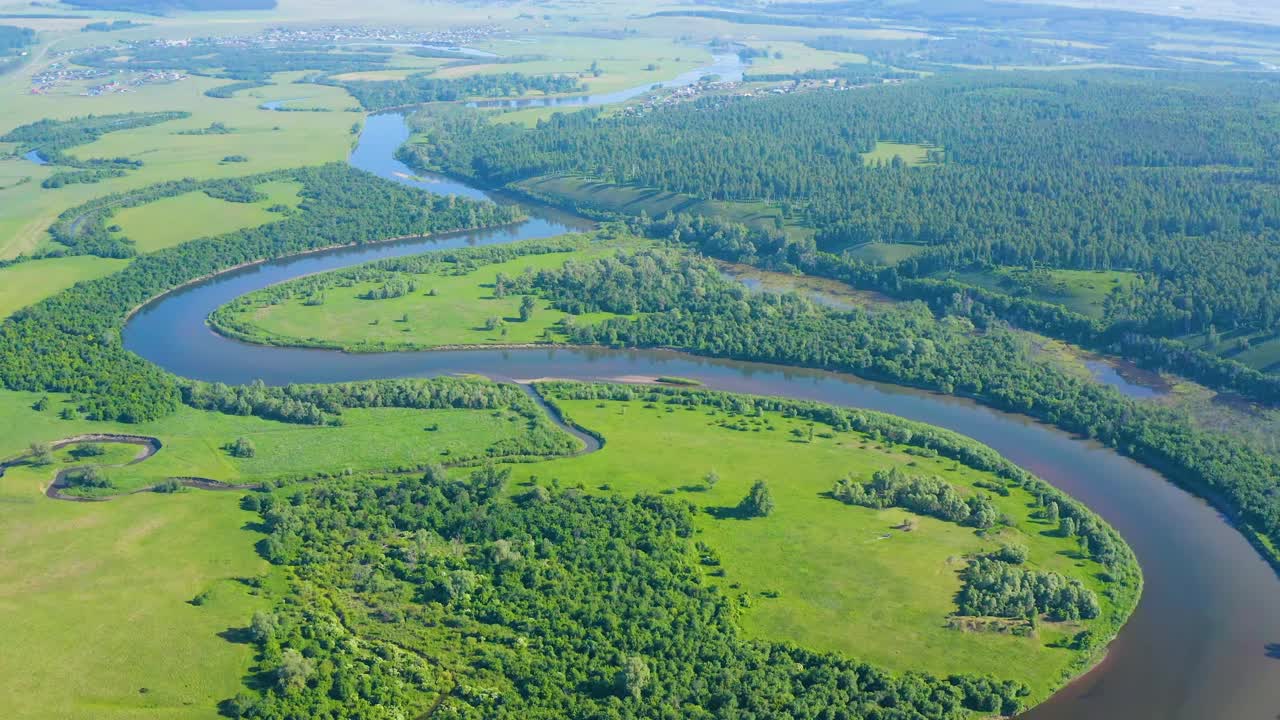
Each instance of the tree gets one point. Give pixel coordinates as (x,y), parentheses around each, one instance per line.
(263,626)
(526,308)
(1051,512)
(633,677)
(293,671)
(758,502)
(91,476)
(243,447)
(1067,528)
(41,405)
(711,479)
(41,454)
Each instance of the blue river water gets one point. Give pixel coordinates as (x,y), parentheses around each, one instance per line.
(1199,646)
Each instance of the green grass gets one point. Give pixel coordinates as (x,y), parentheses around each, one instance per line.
(885,253)
(632,200)
(30,282)
(94,603)
(1257,349)
(846,580)
(175,220)
(271,140)
(455,315)
(370,439)
(796,57)
(622,63)
(840,583)
(913,155)
(1082,291)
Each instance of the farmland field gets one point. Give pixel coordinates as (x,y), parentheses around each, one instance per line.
(174,220)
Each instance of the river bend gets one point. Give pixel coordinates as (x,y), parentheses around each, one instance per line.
(1203,644)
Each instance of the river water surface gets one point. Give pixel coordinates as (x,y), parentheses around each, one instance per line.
(1203,643)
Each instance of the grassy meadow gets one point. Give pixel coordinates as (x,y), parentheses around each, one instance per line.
(458,313)
(631,200)
(174,220)
(94,603)
(30,282)
(1083,291)
(619,63)
(818,572)
(913,155)
(270,140)
(193,442)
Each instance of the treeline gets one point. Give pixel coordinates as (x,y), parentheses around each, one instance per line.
(70,342)
(51,138)
(211,58)
(1038,171)
(13,39)
(230,319)
(416,89)
(111,26)
(78,177)
(84,229)
(230,89)
(1104,544)
(846,73)
(771,248)
(908,345)
(439,596)
(324,404)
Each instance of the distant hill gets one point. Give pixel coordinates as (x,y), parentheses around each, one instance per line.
(160,7)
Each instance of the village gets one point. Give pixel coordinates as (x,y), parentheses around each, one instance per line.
(711,87)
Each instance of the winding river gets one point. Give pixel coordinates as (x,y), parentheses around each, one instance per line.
(1203,644)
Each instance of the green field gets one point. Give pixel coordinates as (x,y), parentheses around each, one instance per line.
(369,439)
(1082,291)
(609,197)
(796,57)
(885,253)
(94,603)
(912,155)
(816,572)
(30,282)
(620,63)
(175,220)
(270,140)
(845,579)
(1257,349)
(457,314)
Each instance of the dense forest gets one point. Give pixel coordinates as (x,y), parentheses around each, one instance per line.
(441,596)
(70,342)
(14,39)
(381,94)
(207,57)
(1190,203)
